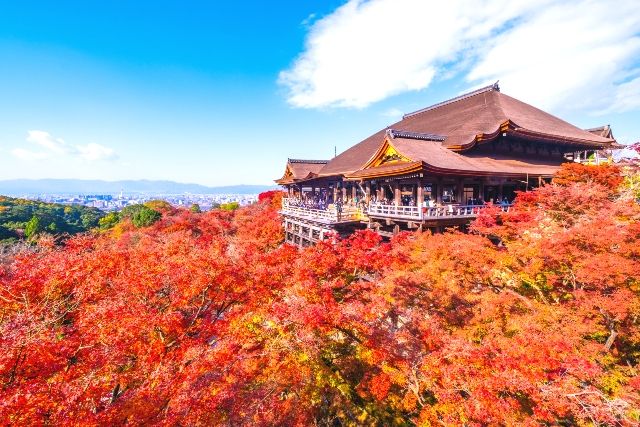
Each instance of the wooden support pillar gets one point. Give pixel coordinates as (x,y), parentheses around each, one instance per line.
(481,189)
(419,194)
(500,188)
(367,190)
(396,193)
(354,191)
(460,188)
(344,193)
(335,192)
(439,189)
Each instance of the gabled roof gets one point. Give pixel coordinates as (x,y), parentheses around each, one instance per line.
(415,154)
(468,120)
(603,131)
(298,169)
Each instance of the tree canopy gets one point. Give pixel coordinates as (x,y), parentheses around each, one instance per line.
(207,318)
(29,218)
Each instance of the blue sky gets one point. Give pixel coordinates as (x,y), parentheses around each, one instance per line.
(222,93)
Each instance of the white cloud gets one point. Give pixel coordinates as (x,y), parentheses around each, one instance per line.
(627,96)
(575,53)
(45,140)
(29,155)
(93,152)
(571,53)
(51,146)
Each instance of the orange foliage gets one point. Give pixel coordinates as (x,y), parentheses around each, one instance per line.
(208,319)
(273,197)
(606,175)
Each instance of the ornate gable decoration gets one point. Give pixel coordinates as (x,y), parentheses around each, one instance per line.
(390,155)
(386,154)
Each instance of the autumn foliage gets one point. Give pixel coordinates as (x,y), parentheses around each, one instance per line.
(208,319)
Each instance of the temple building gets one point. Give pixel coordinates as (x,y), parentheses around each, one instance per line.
(435,168)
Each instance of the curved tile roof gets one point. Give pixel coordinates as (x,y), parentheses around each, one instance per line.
(436,157)
(298,169)
(467,119)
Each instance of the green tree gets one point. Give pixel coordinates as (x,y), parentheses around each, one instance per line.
(33,227)
(195,208)
(109,220)
(231,206)
(145,216)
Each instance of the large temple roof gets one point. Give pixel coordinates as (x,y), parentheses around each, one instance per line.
(471,119)
(298,169)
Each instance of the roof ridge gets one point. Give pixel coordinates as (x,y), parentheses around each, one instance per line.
(603,127)
(415,135)
(319,162)
(492,87)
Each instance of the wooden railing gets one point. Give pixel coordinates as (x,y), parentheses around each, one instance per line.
(352,213)
(349,213)
(420,213)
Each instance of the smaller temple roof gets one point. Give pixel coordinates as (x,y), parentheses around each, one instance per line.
(603,131)
(299,169)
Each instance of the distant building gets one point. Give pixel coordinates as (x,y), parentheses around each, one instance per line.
(435,168)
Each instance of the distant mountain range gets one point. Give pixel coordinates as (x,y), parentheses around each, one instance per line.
(76,186)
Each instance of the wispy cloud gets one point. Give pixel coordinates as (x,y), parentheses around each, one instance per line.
(51,146)
(581,53)
(93,152)
(45,140)
(29,155)
(392,113)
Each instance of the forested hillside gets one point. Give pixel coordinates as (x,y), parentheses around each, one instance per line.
(207,319)
(21,218)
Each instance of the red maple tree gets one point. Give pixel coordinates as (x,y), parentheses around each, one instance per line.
(207,318)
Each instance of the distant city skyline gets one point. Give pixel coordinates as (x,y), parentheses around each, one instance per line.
(78,186)
(222,93)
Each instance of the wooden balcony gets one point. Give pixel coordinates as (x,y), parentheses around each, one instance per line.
(326,216)
(416,213)
(376,210)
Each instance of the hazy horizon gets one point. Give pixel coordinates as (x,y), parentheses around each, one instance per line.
(19,187)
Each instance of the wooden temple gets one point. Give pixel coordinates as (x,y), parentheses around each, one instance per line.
(435,168)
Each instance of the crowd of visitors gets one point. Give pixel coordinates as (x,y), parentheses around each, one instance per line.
(309,202)
(322,202)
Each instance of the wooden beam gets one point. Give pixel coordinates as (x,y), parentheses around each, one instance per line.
(396,193)
(367,189)
(460,188)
